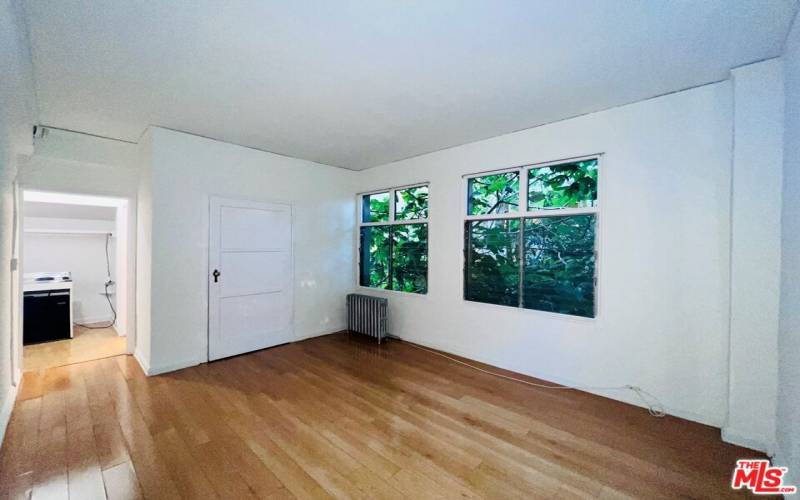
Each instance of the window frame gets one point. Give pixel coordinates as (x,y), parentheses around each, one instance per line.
(393,221)
(525,212)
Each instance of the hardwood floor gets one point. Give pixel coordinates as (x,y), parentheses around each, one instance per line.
(338,416)
(88,344)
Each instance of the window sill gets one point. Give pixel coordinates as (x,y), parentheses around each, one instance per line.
(536,312)
(368,289)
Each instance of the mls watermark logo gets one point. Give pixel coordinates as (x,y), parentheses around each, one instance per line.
(761,478)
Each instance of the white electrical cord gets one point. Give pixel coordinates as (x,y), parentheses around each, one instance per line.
(107,284)
(654,406)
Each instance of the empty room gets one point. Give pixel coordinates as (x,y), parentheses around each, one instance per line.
(378,249)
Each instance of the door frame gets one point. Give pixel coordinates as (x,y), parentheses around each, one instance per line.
(126,224)
(217,202)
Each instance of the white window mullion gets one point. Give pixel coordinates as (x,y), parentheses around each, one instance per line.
(560,212)
(399,222)
(392,207)
(360,210)
(507,215)
(523,191)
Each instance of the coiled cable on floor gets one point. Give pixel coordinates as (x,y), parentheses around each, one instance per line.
(654,406)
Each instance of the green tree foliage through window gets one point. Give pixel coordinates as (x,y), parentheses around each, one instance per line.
(375,207)
(492,270)
(493,194)
(395,257)
(375,250)
(558,269)
(411,203)
(410,258)
(568,185)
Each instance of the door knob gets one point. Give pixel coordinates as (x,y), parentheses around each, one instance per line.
(216,275)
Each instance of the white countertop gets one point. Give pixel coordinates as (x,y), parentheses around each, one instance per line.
(36,282)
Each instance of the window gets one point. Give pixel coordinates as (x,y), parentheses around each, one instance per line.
(494,194)
(493,261)
(375,207)
(567,185)
(393,239)
(542,256)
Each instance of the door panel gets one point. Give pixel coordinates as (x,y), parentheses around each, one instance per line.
(254,272)
(251,302)
(252,228)
(242,316)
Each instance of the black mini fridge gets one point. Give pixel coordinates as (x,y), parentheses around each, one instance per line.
(46,316)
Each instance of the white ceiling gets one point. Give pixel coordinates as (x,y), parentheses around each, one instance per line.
(67,211)
(361,83)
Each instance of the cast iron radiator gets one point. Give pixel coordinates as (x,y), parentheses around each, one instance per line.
(367,314)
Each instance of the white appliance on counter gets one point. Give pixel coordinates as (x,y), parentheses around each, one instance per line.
(47,307)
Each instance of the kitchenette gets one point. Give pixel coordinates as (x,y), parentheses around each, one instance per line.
(47,307)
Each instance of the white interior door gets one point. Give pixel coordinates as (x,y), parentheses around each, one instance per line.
(250,277)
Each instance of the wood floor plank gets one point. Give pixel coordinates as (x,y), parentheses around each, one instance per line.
(109,441)
(18,455)
(31,385)
(151,470)
(121,482)
(51,474)
(83,469)
(189,479)
(87,344)
(85,478)
(314,455)
(293,477)
(338,416)
(222,475)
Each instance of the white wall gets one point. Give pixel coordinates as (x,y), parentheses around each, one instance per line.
(64,224)
(69,162)
(123,273)
(17,116)
(788,422)
(755,254)
(662,320)
(79,148)
(84,255)
(144,250)
(185,171)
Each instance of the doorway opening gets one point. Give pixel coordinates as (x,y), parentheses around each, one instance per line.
(76,265)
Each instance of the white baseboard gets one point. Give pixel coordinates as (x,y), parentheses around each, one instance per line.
(318,334)
(174,367)
(158,370)
(739,438)
(142,363)
(171,367)
(5,411)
